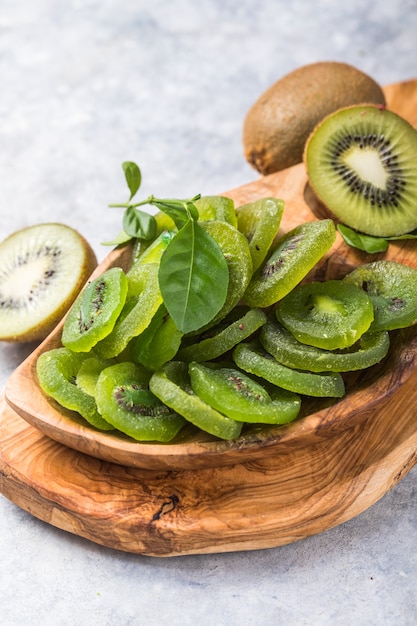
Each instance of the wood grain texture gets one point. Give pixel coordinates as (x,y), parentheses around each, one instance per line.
(267,489)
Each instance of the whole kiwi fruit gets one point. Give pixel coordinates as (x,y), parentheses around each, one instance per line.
(277,125)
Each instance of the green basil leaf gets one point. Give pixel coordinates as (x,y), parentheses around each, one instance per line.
(367,243)
(139,224)
(193,277)
(133,177)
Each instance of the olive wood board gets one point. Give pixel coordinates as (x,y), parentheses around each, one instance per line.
(271,487)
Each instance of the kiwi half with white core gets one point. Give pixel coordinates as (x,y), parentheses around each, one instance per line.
(42,270)
(362,164)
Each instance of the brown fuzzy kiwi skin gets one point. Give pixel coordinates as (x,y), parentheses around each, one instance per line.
(42,330)
(278,124)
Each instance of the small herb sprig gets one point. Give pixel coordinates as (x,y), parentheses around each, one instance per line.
(193,273)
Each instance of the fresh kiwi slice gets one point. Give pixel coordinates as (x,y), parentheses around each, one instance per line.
(124,399)
(259,222)
(224,336)
(95,311)
(240,397)
(392,288)
(57,371)
(253,359)
(171,384)
(284,347)
(42,270)
(326,314)
(362,164)
(294,255)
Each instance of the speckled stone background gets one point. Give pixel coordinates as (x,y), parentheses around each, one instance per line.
(85,85)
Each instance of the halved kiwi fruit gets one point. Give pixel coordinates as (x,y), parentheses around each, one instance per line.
(362,165)
(42,270)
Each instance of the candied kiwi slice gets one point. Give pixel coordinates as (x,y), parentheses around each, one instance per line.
(235,394)
(124,399)
(219,208)
(88,373)
(259,221)
(326,314)
(235,248)
(171,384)
(95,311)
(392,288)
(362,164)
(136,315)
(294,255)
(57,371)
(224,337)
(158,343)
(284,347)
(253,359)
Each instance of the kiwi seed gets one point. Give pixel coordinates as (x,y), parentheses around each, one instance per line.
(43,268)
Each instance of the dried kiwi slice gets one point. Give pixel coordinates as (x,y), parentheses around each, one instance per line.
(224,336)
(392,288)
(94,313)
(124,399)
(235,248)
(259,221)
(295,254)
(241,398)
(326,314)
(218,208)
(158,343)
(362,164)
(136,314)
(57,371)
(171,384)
(254,360)
(284,347)
(88,373)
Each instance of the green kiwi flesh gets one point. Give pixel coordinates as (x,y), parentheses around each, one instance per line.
(42,270)
(362,164)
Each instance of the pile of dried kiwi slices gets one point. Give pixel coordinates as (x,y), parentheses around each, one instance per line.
(140,375)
